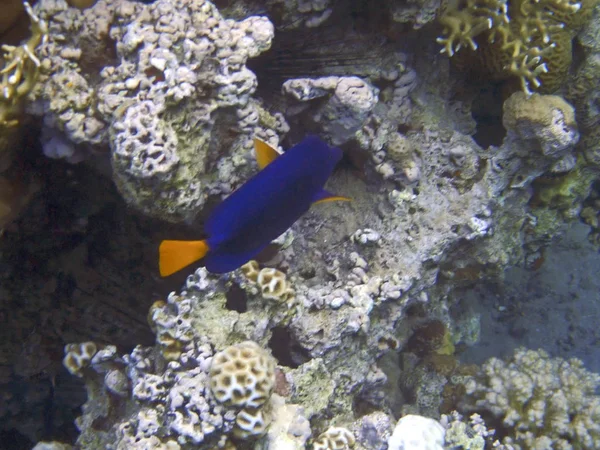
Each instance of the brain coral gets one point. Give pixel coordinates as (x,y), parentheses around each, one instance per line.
(242,375)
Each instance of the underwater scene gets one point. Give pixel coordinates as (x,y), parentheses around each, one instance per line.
(300,224)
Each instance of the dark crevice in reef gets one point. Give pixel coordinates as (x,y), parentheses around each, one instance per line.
(286,350)
(236,299)
(486,110)
(77,265)
(13,440)
(335,48)
(311,53)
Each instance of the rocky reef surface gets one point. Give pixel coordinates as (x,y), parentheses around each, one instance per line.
(123,122)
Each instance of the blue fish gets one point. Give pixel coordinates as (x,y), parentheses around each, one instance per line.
(259,211)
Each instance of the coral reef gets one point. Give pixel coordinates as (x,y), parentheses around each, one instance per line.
(175,107)
(440,210)
(546,119)
(200,395)
(538,400)
(528,40)
(20,71)
(242,375)
(583,90)
(351,320)
(350,100)
(467,435)
(175,399)
(372,431)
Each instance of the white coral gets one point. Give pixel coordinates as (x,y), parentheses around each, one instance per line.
(414,432)
(351,100)
(542,399)
(182,58)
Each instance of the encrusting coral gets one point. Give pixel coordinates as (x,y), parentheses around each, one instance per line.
(243,375)
(525,39)
(545,119)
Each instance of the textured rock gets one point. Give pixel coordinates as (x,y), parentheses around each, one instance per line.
(349,102)
(176,80)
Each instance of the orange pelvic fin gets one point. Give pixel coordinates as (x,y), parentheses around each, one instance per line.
(326,196)
(265,154)
(175,255)
(333,198)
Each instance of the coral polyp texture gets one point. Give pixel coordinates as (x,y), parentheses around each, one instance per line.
(335,438)
(541,402)
(242,375)
(79,356)
(157,84)
(526,39)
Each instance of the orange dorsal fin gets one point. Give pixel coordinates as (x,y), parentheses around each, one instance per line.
(265,154)
(175,255)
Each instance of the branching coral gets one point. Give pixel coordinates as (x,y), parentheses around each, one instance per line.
(18,76)
(526,39)
(471,434)
(20,71)
(543,402)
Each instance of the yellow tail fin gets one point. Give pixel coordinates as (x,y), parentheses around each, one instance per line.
(175,255)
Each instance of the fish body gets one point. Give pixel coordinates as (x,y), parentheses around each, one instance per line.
(261,209)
